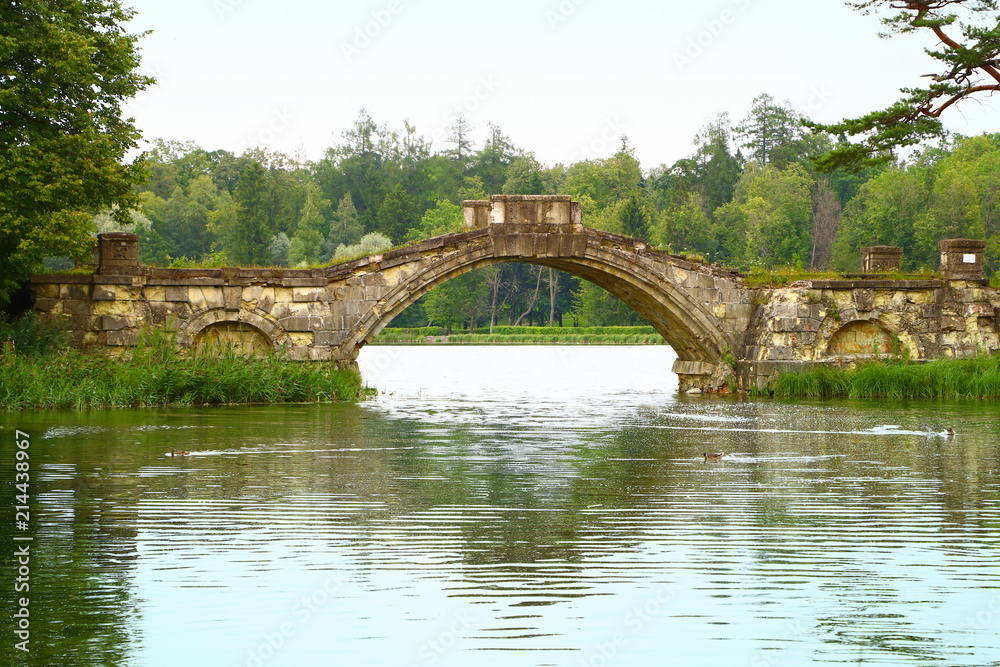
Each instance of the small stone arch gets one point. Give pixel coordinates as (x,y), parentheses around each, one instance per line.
(244,338)
(248,330)
(861,338)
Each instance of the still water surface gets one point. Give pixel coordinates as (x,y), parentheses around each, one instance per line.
(516,506)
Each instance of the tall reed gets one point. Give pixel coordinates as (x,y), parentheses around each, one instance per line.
(976,377)
(157,373)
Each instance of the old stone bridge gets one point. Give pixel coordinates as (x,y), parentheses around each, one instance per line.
(720,329)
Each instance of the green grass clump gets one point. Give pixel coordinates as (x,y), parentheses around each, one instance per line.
(977,377)
(157,373)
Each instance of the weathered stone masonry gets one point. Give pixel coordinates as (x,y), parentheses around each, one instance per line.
(839,322)
(706,313)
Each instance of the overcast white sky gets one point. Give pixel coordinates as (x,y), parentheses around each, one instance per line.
(563,78)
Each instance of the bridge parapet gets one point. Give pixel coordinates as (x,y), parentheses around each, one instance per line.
(523,209)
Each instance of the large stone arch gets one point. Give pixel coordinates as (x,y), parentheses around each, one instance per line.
(684,323)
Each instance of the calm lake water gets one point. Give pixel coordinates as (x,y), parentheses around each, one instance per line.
(514,506)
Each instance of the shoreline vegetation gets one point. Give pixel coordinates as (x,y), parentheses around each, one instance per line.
(975,377)
(38,371)
(522,335)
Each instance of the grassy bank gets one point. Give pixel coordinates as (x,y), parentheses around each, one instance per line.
(978,377)
(507,335)
(156,373)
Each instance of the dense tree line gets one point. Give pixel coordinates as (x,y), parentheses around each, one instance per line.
(748,196)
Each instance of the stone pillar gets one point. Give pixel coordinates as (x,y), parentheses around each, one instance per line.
(881,259)
(962,259)
(118,253)
(532,209)
(477,213)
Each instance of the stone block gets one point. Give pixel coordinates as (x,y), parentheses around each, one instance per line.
(308,294)
(44,305)
(46,290)
(739,310)
(784,324)
(928,325)
(375,292)
(881,258)
(79,292)
(278,310)
(299,310)
(253,292)
(952,323)
(784,310)
(931,311)
(162,312)
(303,324)
(175,293)
(806,338)
(807,324)
(781,354)
(114,322)
(76,307)
(372,280)
(320,353)
(125,337)
(298,353)
(103,293)
(301,338)
(351,293)
(864,299)
(329,338)
(232,297)
(979,310)
(303,282)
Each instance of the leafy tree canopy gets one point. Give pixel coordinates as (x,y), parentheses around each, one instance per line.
(66,67)
(968,66)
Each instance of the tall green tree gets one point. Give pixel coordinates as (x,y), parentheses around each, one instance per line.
(685,225)
(246,240)
(768,221)
(633,216)
(492,162)
(345,228)
(66,68)
(444,218)
(967,67)
(398,214)
(768,130)
(306,244)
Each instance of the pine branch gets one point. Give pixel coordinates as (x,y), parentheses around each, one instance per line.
(969,69)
